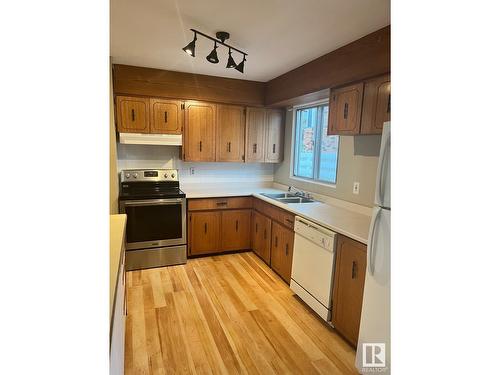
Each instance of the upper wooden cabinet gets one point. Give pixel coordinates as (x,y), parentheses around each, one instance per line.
(264,135)
(274,136)
(255,134)
(376,105)
(350,268)
(167,116)
(230,133)
(199,131)
(132,114)
(344,116)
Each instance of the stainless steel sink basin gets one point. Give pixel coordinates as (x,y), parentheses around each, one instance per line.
(288,198)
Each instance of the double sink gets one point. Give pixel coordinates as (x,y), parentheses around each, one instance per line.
(288,198)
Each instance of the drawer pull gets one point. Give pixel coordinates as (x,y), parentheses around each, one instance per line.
(255,148)
(229,147)
(346,110)
(236,225)
(276,241)
(389,104)
(274,148)
(353,270)
(200,146)
(289,221)
(286,249)
(265,233)
(256,227)
(133,115)
(165,116)
(222,203)
(205,228)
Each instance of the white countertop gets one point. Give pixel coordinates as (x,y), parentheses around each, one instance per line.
(339,219)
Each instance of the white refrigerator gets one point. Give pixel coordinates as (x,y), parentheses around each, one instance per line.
(373,351)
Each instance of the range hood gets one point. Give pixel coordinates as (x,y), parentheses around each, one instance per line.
(151,139)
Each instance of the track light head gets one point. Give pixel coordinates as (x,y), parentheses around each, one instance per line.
(189,49)
(212,57)
(230,61)
(241,65)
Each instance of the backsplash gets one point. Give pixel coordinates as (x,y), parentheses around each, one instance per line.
(148,156)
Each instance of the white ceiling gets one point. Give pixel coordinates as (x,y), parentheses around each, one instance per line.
(279,35)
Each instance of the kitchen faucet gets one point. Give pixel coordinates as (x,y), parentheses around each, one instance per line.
(298,192)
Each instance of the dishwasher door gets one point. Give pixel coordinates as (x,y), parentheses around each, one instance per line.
(313,265)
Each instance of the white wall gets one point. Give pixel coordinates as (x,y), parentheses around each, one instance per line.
(357,161)
(147,156)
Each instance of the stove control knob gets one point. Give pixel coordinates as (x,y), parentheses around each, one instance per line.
(127,175)
(135,175)
(172,175)
(165,175)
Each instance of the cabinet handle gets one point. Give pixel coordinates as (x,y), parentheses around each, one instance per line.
(133,115)
(265,233)
(286,249)
(223,203)
(236,225)
(346,110)
(353,270)
(256,226)
(276,241)
(289,221)
(229,147)
(205,228)
(389,104)
(255,148)
(274,148)
(165,116)
(200,146)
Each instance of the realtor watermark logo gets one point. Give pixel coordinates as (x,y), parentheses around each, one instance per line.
(374,357)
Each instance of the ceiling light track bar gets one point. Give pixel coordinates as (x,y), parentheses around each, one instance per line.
(219,42)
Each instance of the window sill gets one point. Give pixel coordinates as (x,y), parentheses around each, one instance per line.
(313,182)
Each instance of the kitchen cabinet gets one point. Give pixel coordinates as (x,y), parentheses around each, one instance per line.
(282,250)
(350,268)
(132,114)
(199,131)
(275,131)
(345,107)
(261,236)
(255,134)
(376,105)
(235,229)
(230,133)
(204,232)
(167,116)
(265,130)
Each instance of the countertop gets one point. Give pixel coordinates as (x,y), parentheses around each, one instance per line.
(116,239)
(339,219)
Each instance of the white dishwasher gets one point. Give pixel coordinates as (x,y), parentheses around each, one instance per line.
(313,265)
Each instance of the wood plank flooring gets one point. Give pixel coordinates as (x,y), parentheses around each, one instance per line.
(226,314)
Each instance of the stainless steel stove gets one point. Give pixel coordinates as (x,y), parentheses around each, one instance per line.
(156,218)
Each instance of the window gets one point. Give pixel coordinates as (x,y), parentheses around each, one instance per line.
(315,153)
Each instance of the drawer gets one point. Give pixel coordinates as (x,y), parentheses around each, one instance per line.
(277,214)
(219,203)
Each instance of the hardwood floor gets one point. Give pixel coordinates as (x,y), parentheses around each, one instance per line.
(225,314)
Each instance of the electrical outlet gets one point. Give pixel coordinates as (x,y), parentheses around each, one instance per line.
(355,188)
(191,170)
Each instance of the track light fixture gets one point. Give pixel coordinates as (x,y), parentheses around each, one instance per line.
(189,49)
(221,36)
(212,57)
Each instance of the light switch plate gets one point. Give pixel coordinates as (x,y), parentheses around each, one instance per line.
(355,188)
(191,170)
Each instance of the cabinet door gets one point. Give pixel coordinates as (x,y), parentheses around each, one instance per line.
(204,232)
(236,229)
(282,251)
(261,235)
(376,105)
(132,114)
(344,116)
(166,116)
(199,131)
(348,287)
(255,134)
(230,133)
(274,136)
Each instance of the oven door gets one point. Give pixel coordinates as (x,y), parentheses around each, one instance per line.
(155,222)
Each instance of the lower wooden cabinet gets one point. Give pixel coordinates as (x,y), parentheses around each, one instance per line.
(261,236)
(350,268)
(204,232)
(282,250)
(235,233)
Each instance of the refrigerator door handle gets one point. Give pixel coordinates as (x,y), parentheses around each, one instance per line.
(371,252)
(381,194)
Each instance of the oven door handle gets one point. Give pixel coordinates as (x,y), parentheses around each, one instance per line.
(153,202)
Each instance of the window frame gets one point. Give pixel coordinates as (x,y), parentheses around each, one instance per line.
(317,137)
